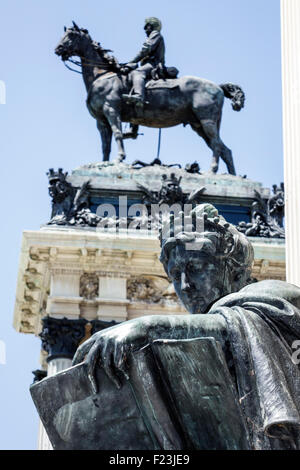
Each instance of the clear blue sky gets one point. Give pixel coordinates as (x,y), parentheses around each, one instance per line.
(45,124)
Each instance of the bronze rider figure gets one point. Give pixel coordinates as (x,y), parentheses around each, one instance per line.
(151,58)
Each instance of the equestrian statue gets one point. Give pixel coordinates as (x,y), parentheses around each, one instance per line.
(149,94)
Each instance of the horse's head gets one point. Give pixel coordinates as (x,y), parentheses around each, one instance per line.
(73,43)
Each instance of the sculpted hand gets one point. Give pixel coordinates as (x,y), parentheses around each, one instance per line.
(110,349)
(126,68)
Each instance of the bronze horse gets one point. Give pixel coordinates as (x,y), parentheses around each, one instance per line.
(186,100)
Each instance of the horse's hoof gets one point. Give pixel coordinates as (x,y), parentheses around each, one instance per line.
(118,159)
(214,169)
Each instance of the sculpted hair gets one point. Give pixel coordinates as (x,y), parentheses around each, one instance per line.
(218,240)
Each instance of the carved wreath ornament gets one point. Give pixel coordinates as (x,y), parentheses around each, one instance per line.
(89,286)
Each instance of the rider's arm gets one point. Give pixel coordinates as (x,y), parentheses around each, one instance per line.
(149,46)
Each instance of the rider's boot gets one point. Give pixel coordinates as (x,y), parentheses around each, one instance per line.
(138,96)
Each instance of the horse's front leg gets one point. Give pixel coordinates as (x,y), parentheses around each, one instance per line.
(106,134)
(112,114)
(214,163)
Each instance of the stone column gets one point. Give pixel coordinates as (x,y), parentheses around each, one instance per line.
(60,338)
(290,32)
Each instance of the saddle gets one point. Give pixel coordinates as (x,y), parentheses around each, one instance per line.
(161,78)
(161,83)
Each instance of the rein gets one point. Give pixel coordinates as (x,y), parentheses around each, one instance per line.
(70,68)
(88,64)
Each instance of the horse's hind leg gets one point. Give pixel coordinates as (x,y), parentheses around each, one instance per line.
(226,155)
(207,129)
(211,131)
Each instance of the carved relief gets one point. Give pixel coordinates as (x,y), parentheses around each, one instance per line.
(266,216)
(70,205)
(170,192)
(150,289)
(142,289)
(89,286)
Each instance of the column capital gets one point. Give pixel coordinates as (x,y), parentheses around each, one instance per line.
(61,337)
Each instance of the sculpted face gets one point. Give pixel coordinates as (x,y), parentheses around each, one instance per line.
(148,29)
(198,278)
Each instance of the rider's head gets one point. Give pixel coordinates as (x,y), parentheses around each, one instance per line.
(152,24)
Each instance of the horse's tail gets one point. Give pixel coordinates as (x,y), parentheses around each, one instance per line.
(235,93)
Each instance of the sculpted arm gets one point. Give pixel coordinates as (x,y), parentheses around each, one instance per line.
(110,348)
